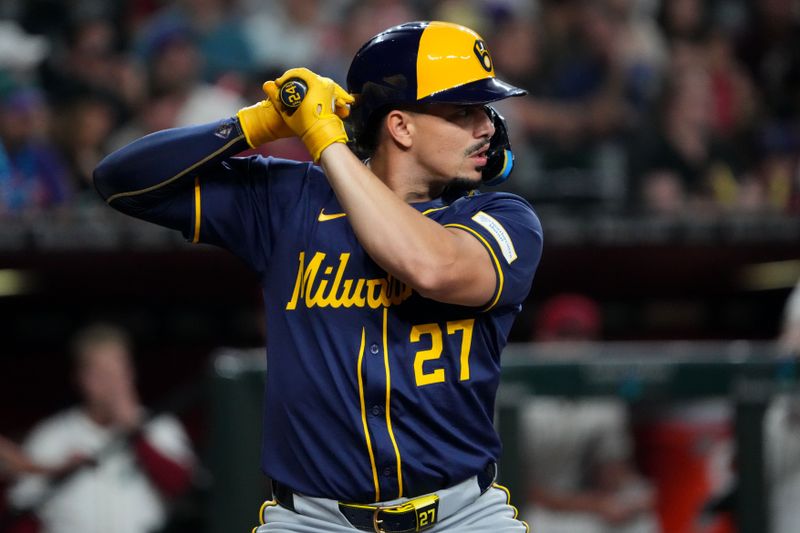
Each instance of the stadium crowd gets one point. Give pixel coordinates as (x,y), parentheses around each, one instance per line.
(679,107)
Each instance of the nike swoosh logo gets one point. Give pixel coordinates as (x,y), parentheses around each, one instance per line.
(324,217)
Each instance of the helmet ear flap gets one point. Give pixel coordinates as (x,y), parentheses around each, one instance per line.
(500,161)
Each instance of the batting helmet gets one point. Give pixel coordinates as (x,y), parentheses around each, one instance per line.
(422,62)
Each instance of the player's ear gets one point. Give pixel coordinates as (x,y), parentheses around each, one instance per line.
(399,126)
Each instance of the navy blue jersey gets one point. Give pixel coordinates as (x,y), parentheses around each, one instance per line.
(373,392)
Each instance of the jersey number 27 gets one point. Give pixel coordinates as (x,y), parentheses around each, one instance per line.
(434,331)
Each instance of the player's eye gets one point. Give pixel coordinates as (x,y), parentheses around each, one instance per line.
(460,113)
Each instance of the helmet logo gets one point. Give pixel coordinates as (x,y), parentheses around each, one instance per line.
(483,55)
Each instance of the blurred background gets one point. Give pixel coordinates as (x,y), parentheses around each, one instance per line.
(659,145)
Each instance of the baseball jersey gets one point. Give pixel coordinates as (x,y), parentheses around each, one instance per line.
(372,392)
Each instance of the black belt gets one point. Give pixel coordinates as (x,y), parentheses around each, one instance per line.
(416,515)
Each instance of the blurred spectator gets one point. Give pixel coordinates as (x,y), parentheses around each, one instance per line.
(365,19)
(32,174)
(214,29)
(175,69)
(733,93)
(90,60)
(50,17)
(768,48)
(13,461)
(641,50)
(159,112)
(790,332)
(781,437)
(778,169)
(586,91)
(517,51)
(782,433)
(782,448)
(672,106)
(81,129)
(581,68)
(104,465)
(568,318)
(683,20)
(286,34)
(471,14)
(579,453)
(682,166)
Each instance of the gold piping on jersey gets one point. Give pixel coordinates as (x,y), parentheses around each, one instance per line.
(432,209)
(388,394)
(267,503)
(197,206)
(364,417)
(508,502)
(176,176)
(494,258)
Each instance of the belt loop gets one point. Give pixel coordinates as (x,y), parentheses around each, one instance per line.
(283,495)
(487,476)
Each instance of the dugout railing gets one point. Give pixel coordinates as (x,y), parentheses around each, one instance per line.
(747,374)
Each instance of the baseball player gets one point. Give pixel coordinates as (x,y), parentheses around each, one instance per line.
(390,284)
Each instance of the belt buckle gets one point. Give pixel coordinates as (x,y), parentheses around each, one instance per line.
(425,512)
(375,522)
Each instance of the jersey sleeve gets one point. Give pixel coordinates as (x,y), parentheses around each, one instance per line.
(511,232)
(241,207)
(189,179)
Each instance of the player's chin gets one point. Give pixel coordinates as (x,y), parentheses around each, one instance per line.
(477,174)
(465,183)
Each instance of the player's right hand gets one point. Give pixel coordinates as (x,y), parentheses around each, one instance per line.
(262,123)
(318,118)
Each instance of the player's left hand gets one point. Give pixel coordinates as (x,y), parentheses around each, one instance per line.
(318,118)
(262,123)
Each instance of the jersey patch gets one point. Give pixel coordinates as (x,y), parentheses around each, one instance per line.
(499,233)
(224,130)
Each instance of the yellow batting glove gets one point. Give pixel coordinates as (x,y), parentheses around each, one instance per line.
(318,118)
(262,123)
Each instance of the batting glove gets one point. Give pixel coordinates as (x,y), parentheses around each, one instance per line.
(318,118)
(262,123)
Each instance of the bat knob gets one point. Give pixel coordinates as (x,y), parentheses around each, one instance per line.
(292,93)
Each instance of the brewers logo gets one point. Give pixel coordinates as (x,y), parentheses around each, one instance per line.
(483,55)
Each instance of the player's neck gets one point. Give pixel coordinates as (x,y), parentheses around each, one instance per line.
(403,177)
